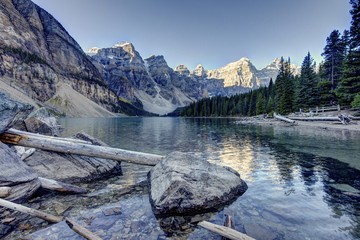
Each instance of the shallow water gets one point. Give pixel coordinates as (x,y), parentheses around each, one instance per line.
(303,183)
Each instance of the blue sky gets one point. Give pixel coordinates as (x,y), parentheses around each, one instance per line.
(208,32)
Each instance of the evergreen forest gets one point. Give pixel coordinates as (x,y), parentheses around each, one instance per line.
(336,80)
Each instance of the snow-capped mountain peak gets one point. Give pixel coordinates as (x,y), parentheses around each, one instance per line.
(92,51)
(122,44)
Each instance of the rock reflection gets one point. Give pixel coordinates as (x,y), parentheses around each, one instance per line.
(301,184)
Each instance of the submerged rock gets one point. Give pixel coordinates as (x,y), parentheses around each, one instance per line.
(11,111)
(15,174)
(183,183)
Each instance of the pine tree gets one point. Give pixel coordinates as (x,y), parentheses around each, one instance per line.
(334,55)
(308,92)
(284,88)
(260,103)
(349,85)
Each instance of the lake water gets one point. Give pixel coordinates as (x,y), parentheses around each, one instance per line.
(303,183)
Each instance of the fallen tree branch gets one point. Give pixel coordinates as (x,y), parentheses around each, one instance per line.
(354,118)
(282,118)
(81,230)
(315,118)
(19,132)
(50,218)
(60,186)
(30,211)
(27,153)
(224,231)
(64,146)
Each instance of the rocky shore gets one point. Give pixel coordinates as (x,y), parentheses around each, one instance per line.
(154,204)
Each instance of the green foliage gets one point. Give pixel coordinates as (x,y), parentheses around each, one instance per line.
(334,55)
(284,87)
(326,95)
(307,95)
(356,102)
(256,102)
(349,85)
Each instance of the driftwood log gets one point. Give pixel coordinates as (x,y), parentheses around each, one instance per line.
(354,118)
(54,185)
(344,119)
(67,145)
(224,231)
(282,118)
(50,218)
(315,118)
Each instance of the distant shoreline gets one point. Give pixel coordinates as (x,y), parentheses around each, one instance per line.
(353,127)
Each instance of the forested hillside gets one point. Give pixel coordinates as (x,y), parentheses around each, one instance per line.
(335,81)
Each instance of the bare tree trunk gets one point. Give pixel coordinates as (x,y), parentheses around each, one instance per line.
(282,118)
(60,186)
(70,146)
(224,231)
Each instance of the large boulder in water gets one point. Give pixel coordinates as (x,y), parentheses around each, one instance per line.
(15,174)
(183,183)
(11,111)
(72,168)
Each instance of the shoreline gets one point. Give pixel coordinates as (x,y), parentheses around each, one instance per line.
(354,126)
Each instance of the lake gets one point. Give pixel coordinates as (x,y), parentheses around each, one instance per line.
(303,183)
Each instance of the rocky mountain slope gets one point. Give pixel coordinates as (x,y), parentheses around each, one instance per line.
(149,83)
(39,59)
(38,56)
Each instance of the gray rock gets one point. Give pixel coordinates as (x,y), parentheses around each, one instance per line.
(72,168)
(111,211)
(183,183)
(37,53)
(133,78)
(16,174)
(41,121)
(11,111)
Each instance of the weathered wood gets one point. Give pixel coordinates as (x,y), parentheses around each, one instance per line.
(28,153)
(354,118)
(53,185)
(50,218)
(18,132)
(81,230)
(282,118)
(5,192)
(64,146)
(224,231)
(30,211)
(315,118)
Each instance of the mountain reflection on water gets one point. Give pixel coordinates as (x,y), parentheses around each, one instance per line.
(303,183)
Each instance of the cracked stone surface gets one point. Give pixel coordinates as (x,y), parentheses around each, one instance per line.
(183,183)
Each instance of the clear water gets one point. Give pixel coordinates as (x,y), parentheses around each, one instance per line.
(303,183)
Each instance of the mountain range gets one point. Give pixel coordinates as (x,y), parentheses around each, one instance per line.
(161,89)
(42,64)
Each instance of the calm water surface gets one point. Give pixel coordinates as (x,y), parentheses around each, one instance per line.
(303,184)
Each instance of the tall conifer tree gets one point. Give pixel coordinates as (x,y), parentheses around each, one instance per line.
(349,85)
(308,92)
(334,55)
